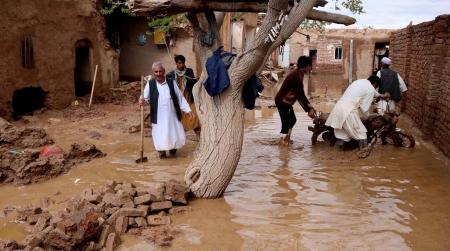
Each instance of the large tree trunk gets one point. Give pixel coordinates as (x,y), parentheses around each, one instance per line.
(222,119)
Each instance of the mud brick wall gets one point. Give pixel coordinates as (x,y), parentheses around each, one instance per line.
(421,54)
(325,56)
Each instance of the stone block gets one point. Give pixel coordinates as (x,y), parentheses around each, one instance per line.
(121,198)
(107,229)
(141,222)
(157,191)
(158,220)
(129,204)
(129,212)
(121,225)
(144,207)
(141,191)
(109,198)
(180,210)
(112,242)
(111,210)
(162,205)
(144,199)
(176,192)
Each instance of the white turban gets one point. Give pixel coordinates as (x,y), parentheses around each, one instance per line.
(386,61)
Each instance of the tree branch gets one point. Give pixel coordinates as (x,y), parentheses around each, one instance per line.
(256,54)
(165,7)
(319,15)
(240,5)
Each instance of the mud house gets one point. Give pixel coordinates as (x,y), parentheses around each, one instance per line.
(51,47)
(49,52)
(332,50)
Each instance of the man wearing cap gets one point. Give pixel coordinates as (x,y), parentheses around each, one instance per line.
(390,82)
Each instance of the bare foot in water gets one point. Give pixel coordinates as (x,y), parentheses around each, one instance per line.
(284,142)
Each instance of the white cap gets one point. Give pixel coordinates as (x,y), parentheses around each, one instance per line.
(386,60)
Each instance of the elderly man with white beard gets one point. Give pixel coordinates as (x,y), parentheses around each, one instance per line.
(166,104)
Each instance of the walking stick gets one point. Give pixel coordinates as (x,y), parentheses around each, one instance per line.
(93,86)
(142,158)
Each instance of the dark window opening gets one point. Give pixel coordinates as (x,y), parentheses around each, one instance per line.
(27,53)
(338,53)
(381,50)
(313,56)
(82,72)
(27,100)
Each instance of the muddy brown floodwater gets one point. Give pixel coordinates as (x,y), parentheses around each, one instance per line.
(297,198)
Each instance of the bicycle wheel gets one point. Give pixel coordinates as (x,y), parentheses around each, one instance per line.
(407,140)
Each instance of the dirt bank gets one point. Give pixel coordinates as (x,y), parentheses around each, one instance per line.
(27,157)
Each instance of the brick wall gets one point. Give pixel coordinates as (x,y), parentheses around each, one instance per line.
(421,54)
(326,63)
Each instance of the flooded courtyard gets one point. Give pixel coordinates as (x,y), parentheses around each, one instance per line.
(298,198)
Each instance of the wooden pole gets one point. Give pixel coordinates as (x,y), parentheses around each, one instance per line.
(142,119)
(93,86)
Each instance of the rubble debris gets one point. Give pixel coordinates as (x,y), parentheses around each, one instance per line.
(10,245)
(93,222)
(128,93)
(79,109)
(15,137)
(28,156)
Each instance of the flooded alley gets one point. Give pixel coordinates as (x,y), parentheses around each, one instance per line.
(95,96)
(296,198)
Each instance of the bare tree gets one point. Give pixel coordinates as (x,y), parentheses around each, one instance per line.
(222,116)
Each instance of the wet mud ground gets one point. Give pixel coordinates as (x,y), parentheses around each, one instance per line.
(298,198)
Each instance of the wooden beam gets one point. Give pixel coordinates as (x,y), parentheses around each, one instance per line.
(170,7)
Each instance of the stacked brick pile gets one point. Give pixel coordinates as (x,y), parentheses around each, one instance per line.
(421,54)
(97,219)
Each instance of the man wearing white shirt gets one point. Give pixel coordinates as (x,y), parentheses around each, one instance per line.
(390,82)
(166,104)
(344,117)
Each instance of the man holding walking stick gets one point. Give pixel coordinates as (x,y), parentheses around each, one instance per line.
(166,106)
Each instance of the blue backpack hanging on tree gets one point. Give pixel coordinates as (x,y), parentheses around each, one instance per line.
(217,68)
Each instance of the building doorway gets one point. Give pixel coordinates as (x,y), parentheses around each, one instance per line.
(27,100)
(381,50)
(82,71)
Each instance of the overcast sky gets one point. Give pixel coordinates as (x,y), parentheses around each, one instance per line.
(392,14)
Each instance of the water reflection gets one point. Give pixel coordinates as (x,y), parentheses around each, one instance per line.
(301,201)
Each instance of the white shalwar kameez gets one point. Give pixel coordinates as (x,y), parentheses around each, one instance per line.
(344,117)
(168,132)
(389,105)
